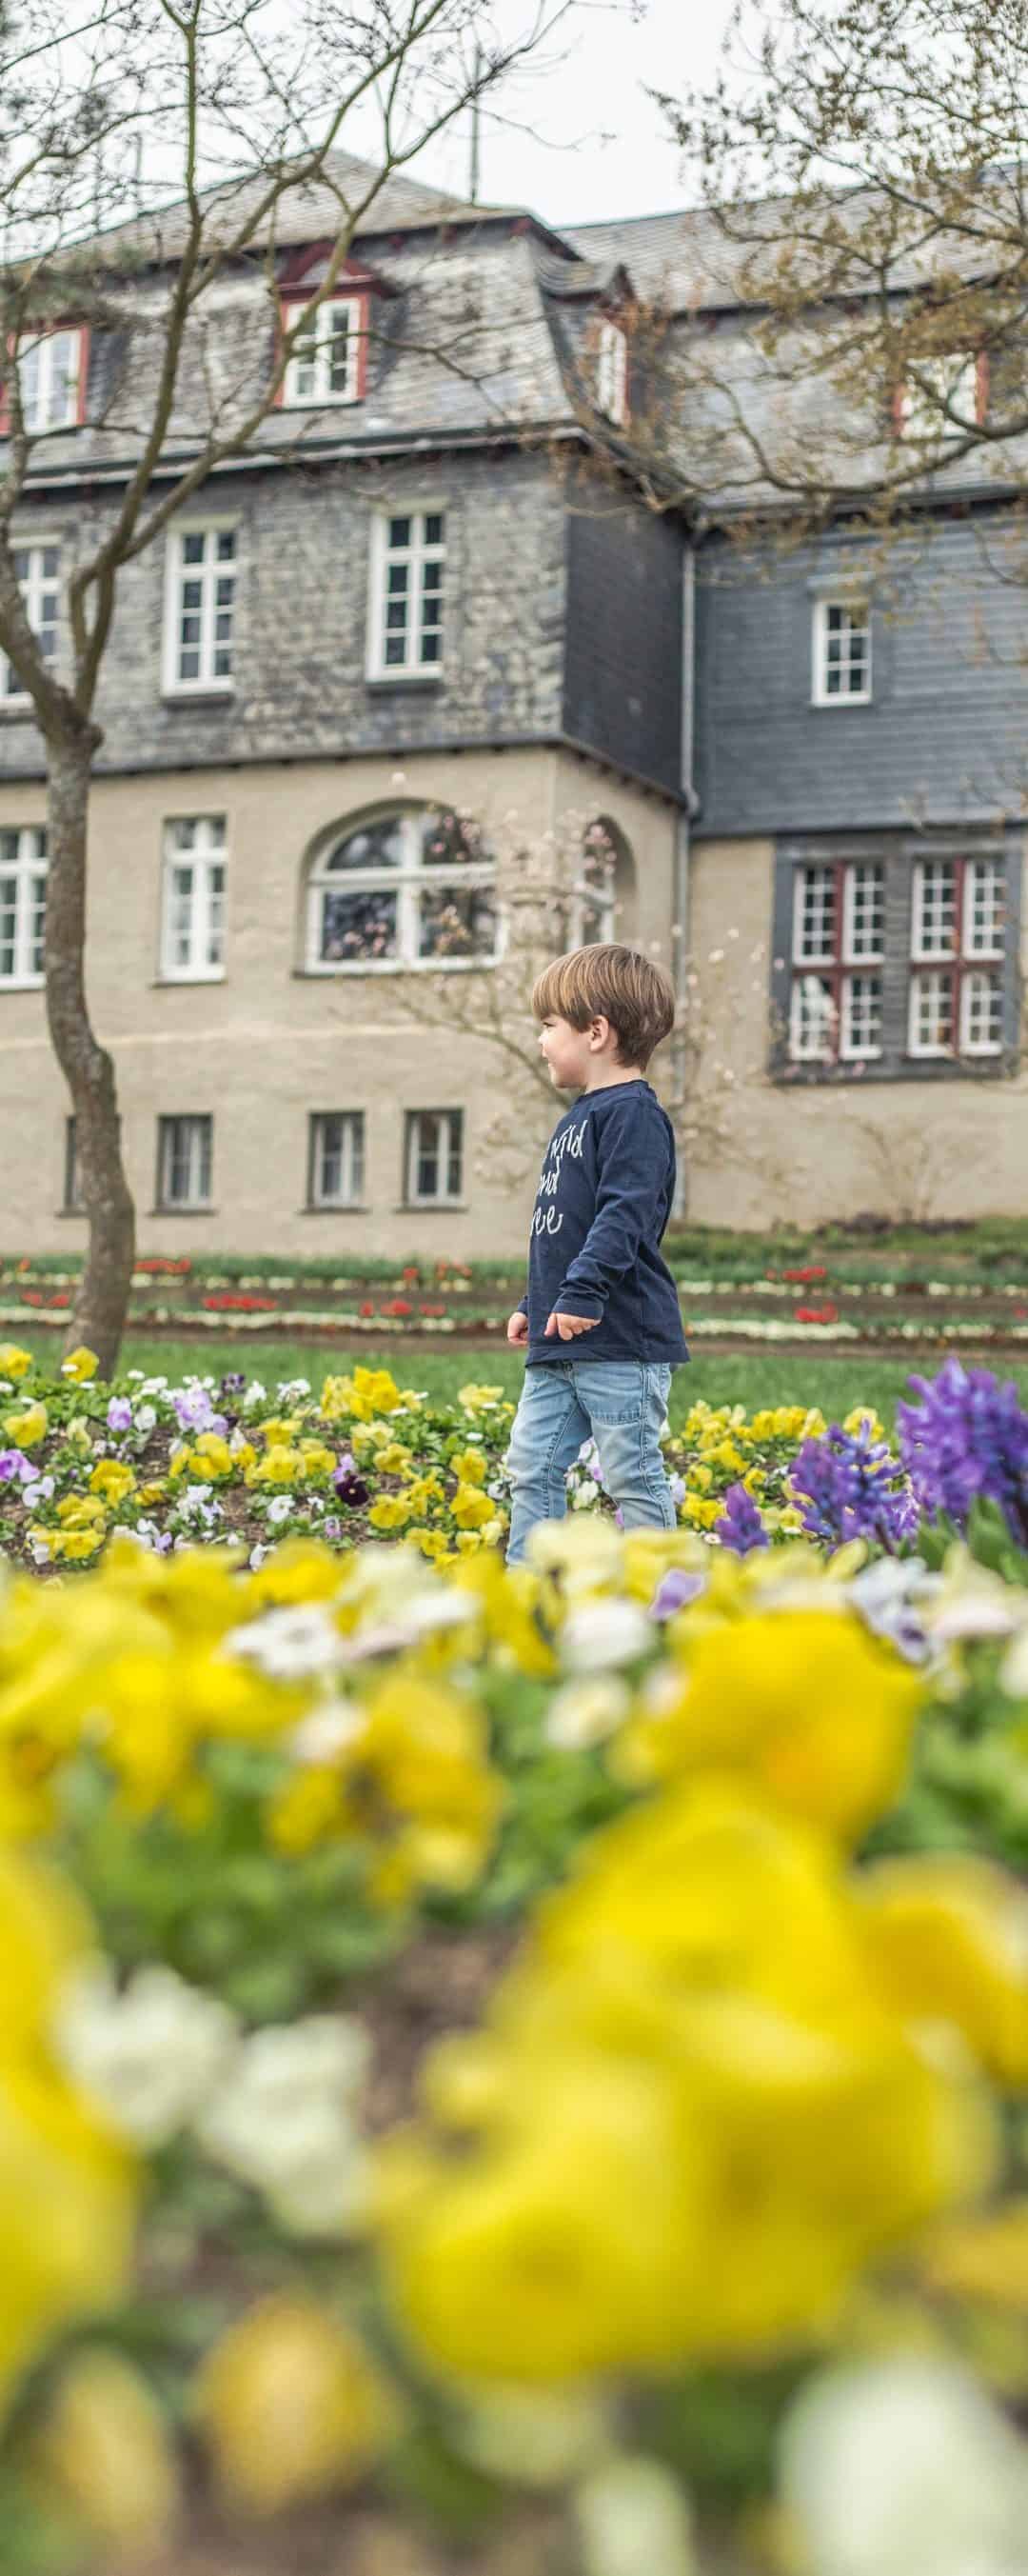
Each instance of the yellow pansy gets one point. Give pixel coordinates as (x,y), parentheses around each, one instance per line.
(317,1459)
(14,1362)
(78,1437)
(80,1511)
(77,1545)
(112,1479)
(211,1453)
(367,1392)
(280,1430)
(281,1466)
(28,1427)
(290,2405)
(432,1542)
(392,1457)
(470,1508)
(425,1490)
(391,1511)
(700,1511)
(804,1701)
(105,2453)
(153,1491)
(80,1365)
(947,1938)
(469,1467)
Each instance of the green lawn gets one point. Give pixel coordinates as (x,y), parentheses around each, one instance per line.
(751,1378)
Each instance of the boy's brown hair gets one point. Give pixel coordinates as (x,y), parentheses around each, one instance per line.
(610,983)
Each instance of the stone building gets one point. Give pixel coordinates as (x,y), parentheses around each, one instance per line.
(409,623)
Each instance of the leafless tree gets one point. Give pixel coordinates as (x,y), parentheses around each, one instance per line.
(189,91)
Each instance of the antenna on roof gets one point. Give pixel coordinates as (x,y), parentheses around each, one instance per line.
(476,126)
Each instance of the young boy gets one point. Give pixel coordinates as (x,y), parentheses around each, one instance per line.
(601,1323)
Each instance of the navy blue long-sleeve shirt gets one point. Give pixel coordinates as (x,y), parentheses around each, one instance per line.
(603,1201)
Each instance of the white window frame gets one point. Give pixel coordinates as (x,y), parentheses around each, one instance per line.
(43,415)
(316,355)
(954,375)
(928,1050)
(920,953)
(407,882)
(454,1143)
(206,854)
(28,866)
(351,1157)
(840,964)
(612,372)
(417,555)
(36,590)
(200,1159)
(979,973)
(967,962)
(207,682)
(858,615)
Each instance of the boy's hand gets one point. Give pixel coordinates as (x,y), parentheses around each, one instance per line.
(569,1326)
(517,1329)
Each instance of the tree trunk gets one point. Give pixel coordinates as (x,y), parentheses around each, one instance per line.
(101,1304)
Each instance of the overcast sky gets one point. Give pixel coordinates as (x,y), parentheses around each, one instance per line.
(583,140)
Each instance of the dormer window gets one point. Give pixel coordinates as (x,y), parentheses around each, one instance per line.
(327,364)
(958,380)
(612,372)
(52,378)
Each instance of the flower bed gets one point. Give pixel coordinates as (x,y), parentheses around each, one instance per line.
(518,2059)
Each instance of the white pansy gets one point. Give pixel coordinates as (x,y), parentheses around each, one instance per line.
(150,2055)
(445,1607)
(905,2467)
(284,2122)
(586,1712)
(146,1418)
(289,1643)
(279,1509)
(539,2436)
(602,1633)
(635,2521)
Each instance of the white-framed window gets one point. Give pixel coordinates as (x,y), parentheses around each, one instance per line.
(405,636)
(957,943)
(185,1155)
(200,606)
(22,905)
(411,889)
(838,960)
(612,372)
(325,366)
(433,1157)
(37,571)
(842,652)
(193,899)
(336,1158)
(953,378)
(50,380)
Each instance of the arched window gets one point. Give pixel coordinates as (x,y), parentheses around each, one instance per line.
(408,889)
(597,897)
(22,905)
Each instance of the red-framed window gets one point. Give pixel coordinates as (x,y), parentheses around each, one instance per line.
(838,961)
(957,945)
(328,366)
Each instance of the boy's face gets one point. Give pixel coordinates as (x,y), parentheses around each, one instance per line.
(569,1052)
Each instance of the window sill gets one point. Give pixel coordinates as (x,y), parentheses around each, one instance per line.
(201,1207)
(335,1207)
(830,706)
(16,710)
(320,402)
(158,983)
(427,679)
(208,693)
(75,1212)
(23,984)
(431,1207)
(393,966)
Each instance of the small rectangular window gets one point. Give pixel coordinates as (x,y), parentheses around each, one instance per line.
(953,381)
(842,652)
(49,378)
(37,571)
(185,1149)
(22,905)
(434,1156)
(612,373)
(336,1162)
(406,635)
(193,900)
(325,364)
(200,609)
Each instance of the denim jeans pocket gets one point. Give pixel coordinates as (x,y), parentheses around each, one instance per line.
(610,1391)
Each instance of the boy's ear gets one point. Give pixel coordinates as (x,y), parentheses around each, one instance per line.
(599,1032)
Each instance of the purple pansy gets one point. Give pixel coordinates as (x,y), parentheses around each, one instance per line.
(740,1526)
(119,1413)
(674,1592)
(967,1438)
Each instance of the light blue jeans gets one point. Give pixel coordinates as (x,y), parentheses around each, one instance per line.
(622,1403)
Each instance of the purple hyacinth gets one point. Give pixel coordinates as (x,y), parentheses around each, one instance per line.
(851,1487)
(740,1526)
(967,1438)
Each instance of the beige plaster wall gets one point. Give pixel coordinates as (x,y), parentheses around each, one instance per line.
(931,1149)
(268,1044)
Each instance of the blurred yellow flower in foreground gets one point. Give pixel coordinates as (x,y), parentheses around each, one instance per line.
(290,2405)
(691,2119)
(104,2452)
(803,1701)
